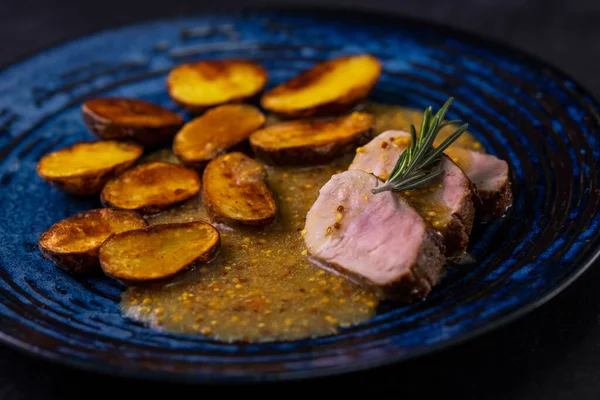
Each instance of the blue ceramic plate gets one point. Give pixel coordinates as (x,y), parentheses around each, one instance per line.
(539,120)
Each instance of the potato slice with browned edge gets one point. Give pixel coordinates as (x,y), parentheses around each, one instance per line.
(130,119)
(220,128)
(330,87)
(205,84)
(84,168)
(158,252)
(151,188)
(235,190)
(305,142)
(74,242)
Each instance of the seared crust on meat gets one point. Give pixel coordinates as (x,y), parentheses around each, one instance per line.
(425,273)
(459,228)
(495,203)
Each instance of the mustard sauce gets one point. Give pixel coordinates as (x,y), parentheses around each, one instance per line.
(261,287)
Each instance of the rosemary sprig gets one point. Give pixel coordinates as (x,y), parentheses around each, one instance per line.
(420,162)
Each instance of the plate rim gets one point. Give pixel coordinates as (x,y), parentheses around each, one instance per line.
(339,13)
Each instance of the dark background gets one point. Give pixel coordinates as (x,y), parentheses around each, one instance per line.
(553,353)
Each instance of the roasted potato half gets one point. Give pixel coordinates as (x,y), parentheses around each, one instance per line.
(220,128)
(330,87)
(74,242)
(84,168)
(235,190)
(316,141)
(151,188)
(131,119)
(200,85)
(158,252)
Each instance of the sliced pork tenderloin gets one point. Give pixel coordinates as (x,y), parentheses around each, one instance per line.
(489,174)
(377,240)
(447,202)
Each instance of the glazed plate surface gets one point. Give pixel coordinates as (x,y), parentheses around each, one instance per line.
(527,113)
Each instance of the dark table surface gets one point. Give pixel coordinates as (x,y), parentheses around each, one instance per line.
(552,353)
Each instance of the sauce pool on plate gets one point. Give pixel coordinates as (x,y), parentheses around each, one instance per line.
(261,287)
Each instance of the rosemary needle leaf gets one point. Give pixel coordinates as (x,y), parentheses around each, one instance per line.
(444,145)
(425,123)
(419,163)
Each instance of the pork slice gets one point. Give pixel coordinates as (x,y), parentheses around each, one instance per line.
(375,239)
(489,174)
(447,202)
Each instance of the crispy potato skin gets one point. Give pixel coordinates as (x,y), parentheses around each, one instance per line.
(311,80)
(77,264)
(297,143)
(219,129)
(160,186)
(140,237)
(220,76)
(130,119)
(91,181)
(89,223)
(235,191)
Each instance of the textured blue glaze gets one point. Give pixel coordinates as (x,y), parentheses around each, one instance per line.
(527,113)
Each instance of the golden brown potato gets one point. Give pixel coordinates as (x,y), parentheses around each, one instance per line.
(130,119)
(330,87)
(158,252)
(84,168)
(151,188)
(312,141)
(74,242)
(235,190)
(204,84)
(220,128)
